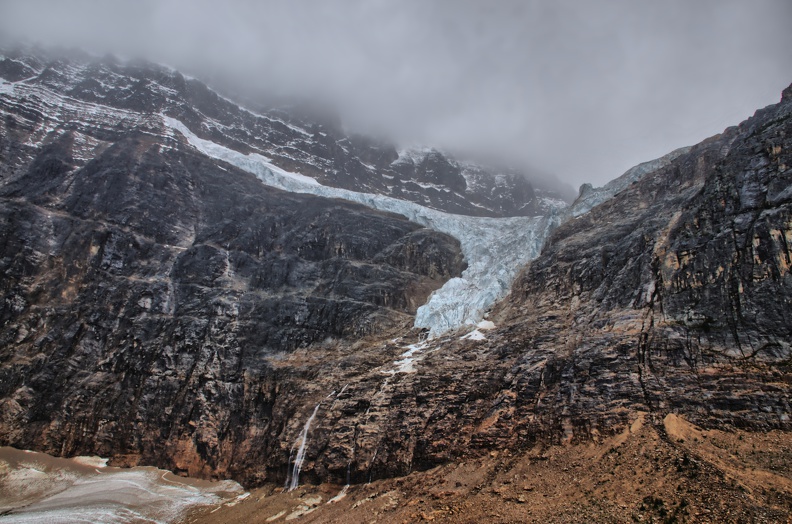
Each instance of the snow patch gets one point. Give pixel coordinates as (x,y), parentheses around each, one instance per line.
(429,185)
(95,462)
(341,495)
(239,499)
(408,359)
(474,335)
(553,203)
(413,155)
(276,516)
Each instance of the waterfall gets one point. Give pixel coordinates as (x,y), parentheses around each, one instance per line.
(298,460)
(288,477)
(349,471)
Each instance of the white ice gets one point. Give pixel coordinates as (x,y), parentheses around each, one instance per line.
(494,248)
(474,335)
(406,364)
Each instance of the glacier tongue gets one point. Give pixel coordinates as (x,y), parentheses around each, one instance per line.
(495,248)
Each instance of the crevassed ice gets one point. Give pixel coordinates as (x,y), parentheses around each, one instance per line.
(495,248)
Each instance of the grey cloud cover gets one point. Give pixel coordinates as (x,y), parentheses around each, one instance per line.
(580,89)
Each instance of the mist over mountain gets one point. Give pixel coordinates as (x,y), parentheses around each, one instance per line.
(576,89)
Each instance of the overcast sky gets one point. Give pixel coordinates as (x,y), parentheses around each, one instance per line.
(581,89)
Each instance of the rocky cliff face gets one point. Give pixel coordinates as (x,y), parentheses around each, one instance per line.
(164,307)
(147,287)
(675,293)
(670,297)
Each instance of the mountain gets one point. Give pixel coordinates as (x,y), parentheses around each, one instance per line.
(315,148)
(153,282)
(190,285)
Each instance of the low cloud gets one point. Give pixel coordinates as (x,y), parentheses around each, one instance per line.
(580,89)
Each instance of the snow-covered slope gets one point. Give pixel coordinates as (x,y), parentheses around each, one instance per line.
(94,101)
(592,197)
(495,248)
(36,488)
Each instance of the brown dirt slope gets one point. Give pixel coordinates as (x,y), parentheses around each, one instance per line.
(661,470)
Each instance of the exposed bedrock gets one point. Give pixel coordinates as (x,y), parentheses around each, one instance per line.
(163,307)
(149,296)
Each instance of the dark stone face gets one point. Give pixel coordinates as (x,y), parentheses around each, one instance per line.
(675,294)
(147,287)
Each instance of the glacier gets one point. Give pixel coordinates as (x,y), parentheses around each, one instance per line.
(495,248)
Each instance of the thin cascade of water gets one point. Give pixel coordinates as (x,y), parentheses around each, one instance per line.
(349,473)
(287,482)
(371,463)
(298,460)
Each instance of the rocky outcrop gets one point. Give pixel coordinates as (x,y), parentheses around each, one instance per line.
(681,283)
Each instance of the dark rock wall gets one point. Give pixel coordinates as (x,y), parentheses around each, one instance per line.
(671,297)
(148,296)
(605,323)
(679,287)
